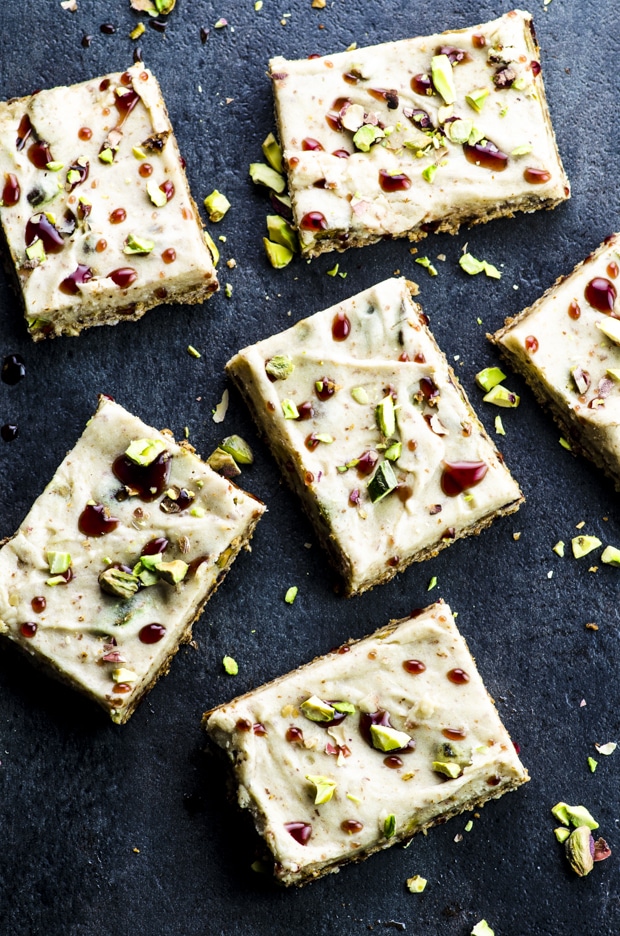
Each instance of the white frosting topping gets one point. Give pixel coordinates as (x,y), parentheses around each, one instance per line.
(80,624)
(353,201)
(388,348)
(272,771)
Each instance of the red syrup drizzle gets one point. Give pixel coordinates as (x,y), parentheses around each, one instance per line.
(39,226)
(394,183)
(460,476)
(94,521)
(82,274)
(123,277)
(341,327)
(313,221)
(300,831)
(151,633)
(487,155)
(11,191)
(146,481)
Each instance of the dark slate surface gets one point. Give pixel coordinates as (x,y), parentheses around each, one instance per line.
(78,794)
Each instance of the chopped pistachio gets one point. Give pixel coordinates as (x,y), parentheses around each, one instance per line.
(280,366)
(137,245)
(459,131)
(482,929)
(56,580)
(385,738)
(239,449)
(289,410)
(57,166)
(429,172)
(359,395)
(347,708)
(394,451)
(137,31)
(416,884)
(156,195)
(219,413)
(613,373)
(611,556)
(473,266)
(582,545)
(476,98)
(144,451)
(217,205)
(212,247)
(58,562)
(122,675)
(519,84)
(223,463)
(334,270)
(382,483)
(499,426)
(325,788)
(263,174)
(449,768)
(107,156)
(579,851)
(118,583)
(366,136)
(559,548)
(443,78)
(611,329)
(198,511)
(573,815)
(560,812)
(565,444)
(278,255)
(386,419)
(172,572)
(221,23)
(432,583)
(426,263)
(592,764)
(138,152)
(561,833)
(389,826)
(489,377)
(469,826)
(354,799)
(606,749)
(324,437)
(281,232)
(36,251)
(521,150)
(230,665)
(500,396)
(273,152)
(317,710)
(194,353)
(228,290)
(291,594)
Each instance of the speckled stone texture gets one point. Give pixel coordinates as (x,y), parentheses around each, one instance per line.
(107,831)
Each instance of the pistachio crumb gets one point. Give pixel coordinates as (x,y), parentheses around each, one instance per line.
(416,884)
(582,545)
(592,764)
(230,665)
(499,426)
(565,444)
(482,929)
(194,353)
(516,536)
(591,626)
(291,594)
(580,525)
(432,583)
(559,548)
(426,263)
(228,290)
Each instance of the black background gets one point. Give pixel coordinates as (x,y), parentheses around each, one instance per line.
(78,794)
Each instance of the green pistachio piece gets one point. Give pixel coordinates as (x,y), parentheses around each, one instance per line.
(324,437)
(280,366)
(230,665)
(212,247)
(385,738)
(56,580)
(172,572)
(73,177)
(521,150)
(613,373)
(500,396)
(317,710)
(450,769)
(156,195)
(432,584)
(559,548)
(56,167)
(281,232)
(273,152)
(359,395)
(137,245)
(443,77)
(579,851)
(565,444)
(579,816)
(426,263)
(416,884)
(561,833)
(118,583)
(611,329)
(475,136)
(394,451)
(389,826)
(347,708)
(611,556)
(147,562)
(36,251)
(58,562)
(366,136)
(122,675)
(519,84)
(354,799)
(325,788)
(582,545)
(459,131)
(107,156)
(477,98)
(386,419)
(223,463)
(560,812)
(289,410)
(489,377)
(147,577)
(429,172)
(469,826)
(592,764)
(451,751)
(137,150)
(265,175)
(144,451)
(239,449)
(291,594)
(482,929)
(217,205)
(382,483)
(278,255)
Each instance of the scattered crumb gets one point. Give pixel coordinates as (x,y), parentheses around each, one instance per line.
(229,100)
(308,545)
(219,413)
(396,273)
(441,257)
(516,536)
(231,264)
(413,250)
(136,850)
(583,703)
(591,626)
(593,569)
(458,837)
(70,5)
(580,525)
(550,574)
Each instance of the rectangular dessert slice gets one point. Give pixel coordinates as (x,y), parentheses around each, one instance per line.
(422,134)
(374,432)
(118,556)
(566,346)
(95,207)
(365,746)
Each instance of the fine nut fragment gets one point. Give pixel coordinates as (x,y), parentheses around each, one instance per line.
(223,463)
(279,367)
(118,583)
(172,572)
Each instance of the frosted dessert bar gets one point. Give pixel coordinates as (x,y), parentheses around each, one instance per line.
(365,746)
(567,346)
(373,431)
(117,557)
(96,211)
(417,135)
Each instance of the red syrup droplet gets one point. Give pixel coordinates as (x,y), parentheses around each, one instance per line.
(306,411)
(324,388)
(300,831)
(366,463)
(422,84)
(167,188)
(341,154)
(40,154)
(536,176)
(310,144)
(460,476)
(147,481)
(155,546)
(341,327)
(39,226)
(28,629)
(94,521)
(458,676)
(454,734)
(23,132)
(573,310)
(535,66)
(394,183)
(392,761)
(82,274)
(294,735)
(151,633)
(38,604)
(11,191)
(415,667)
(118,216)
(487,155)
(313,221)
(613,270)
(601,294)
(123,277)
(259,729)
(124,104)
(85,133)
(351,826)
